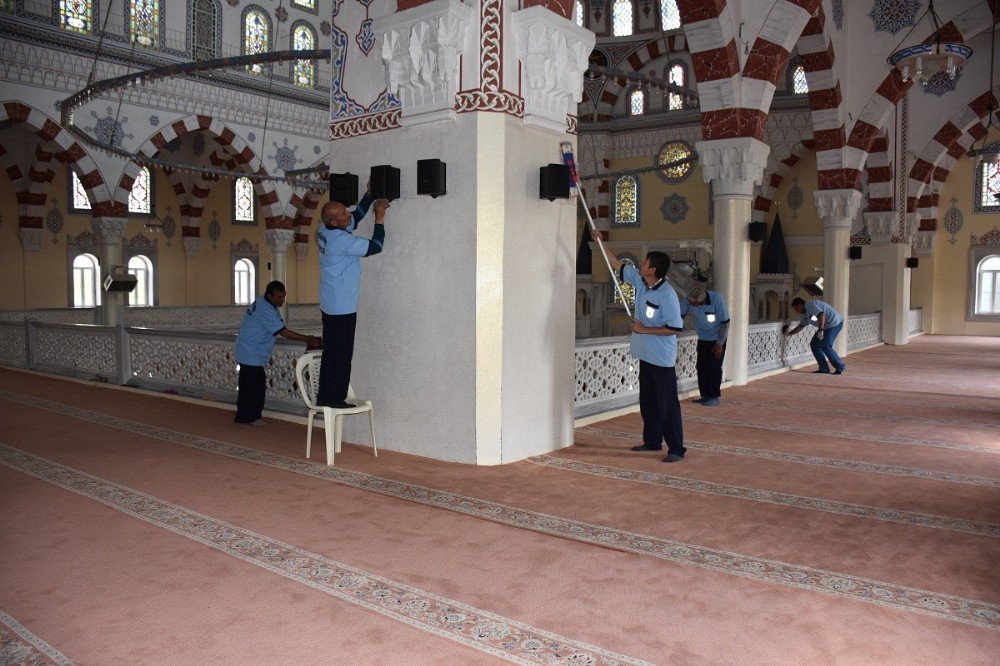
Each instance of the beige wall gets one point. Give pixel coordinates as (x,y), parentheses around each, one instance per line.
(39,279)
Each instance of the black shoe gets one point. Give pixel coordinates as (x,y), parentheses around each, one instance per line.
(841,370)
(673,457)
(645,447)
(821,372)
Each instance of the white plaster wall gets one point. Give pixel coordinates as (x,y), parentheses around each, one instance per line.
(866,284)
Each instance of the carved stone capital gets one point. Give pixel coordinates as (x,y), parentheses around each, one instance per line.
(191,245)
(910,227)
(553,52)
(733,166)
(279,239)
(837,208)
(112,230)
(31,239)
(881,224)
(923,243)
(420,48)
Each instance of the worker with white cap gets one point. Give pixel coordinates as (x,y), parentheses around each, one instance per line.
(711,321)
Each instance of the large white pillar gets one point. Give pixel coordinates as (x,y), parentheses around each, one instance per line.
(734,167)
(837,209)
(888,252)
(279,240)
(112,231)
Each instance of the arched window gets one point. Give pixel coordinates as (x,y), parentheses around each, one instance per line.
(677,74)
(626,202)
(670,16)
(256,35)
(140,199)
(142,268)
(76,15)
(674,151)
(79,201)
(144,22)
(621,18)
(244,201)
(304,39)
(988,286)
(627,290)
(244,282)
(988,185)
(578,13)
(204,29)
(797,82)
(636,102)
(86,281)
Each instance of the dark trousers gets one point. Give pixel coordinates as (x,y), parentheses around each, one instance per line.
(338,352)
(660,407)
(709,369)
(250,393)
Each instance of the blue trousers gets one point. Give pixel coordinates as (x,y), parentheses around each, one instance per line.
(823,349)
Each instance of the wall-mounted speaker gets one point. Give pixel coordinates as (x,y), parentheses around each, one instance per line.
(912,262)
(120,282)
(757,232)
(385,182)
(432,177)
(344,188)
(553,182)
(854,252)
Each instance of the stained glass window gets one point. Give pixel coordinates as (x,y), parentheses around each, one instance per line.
(627,290)
(203,30)
(621,18)
(305,4)
(578,12)
(8,6)
(676,74)
(672,152)
(76,15)
(142,268)
(988,187)
(80,199)
(140,199)
(800,86)
(637,102)
(626,200)
(256,36)
(86,289)
(670,17)
(243,201)
(144,22)
(304,39)
(988,283)
(244,282)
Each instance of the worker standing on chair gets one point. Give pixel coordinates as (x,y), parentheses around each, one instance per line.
(711,321)
(255,340)
(340,253)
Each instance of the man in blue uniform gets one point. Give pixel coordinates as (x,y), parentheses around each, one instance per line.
(711,321)
(655,327)
(255,340)
(830,323)
(340,253)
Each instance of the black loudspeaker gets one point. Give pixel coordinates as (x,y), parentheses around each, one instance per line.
(553,182)
(757,231)
(120,282)
(854,252)
(432,177)
(344,188)
(385,182)
(912,262)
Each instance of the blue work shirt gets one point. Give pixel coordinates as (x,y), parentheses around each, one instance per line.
(655,306)
(340,253)
(813,309)
(258,332)
(709,317)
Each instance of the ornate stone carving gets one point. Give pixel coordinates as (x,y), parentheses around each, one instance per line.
(420,48)
(554,53)
(31,239)
(733,166)
(990,238)
(279,239)
(140,242)
(880,224)
(923,243)
(112,230)
(244,248)
(837,208)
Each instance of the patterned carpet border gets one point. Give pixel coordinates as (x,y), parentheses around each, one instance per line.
(20,646)
(852,465)
(890,595)
(470,626)
(978,528)
(826,432)
(879,397)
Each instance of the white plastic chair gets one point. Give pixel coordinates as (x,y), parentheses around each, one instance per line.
(307,377)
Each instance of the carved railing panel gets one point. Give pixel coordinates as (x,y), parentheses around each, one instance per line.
(13,344)
(53,315)
(864,330)
(77,350)
(915,321)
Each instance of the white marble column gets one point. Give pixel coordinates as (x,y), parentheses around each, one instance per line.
(279,240)
(891,259)
(734,167)
(837,209)
(112,231)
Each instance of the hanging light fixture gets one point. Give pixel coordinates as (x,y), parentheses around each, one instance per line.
(922,61)
(987,152)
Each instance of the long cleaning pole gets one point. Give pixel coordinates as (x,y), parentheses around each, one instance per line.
(567,152)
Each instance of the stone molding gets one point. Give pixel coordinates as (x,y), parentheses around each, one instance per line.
(880,224)
(421,48)
(112,230)
(733,166)
(191,245)
(554,54)
(837,208)
(923,243)
(279,239)
(31,239)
